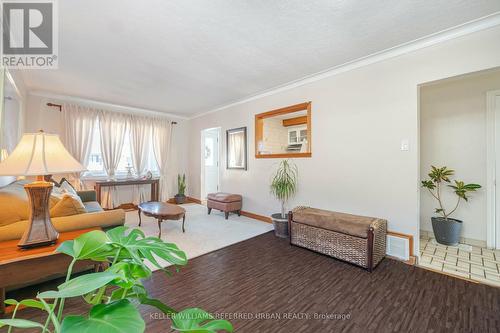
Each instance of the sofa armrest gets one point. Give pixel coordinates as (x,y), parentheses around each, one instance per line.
(86,196)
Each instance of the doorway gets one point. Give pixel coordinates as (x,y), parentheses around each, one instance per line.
(493,169)
(460,129)
(210,161)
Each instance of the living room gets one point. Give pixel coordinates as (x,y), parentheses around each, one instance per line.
(272,158)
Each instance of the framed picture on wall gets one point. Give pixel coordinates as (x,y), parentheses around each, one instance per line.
(236,148)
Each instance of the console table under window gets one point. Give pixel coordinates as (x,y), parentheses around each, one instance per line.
(154,182)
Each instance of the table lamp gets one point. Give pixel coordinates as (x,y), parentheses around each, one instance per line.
(39,154)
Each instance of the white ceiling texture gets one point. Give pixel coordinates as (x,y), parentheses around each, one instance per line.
(190,56)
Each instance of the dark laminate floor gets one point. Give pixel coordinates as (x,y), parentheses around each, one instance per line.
(266,275)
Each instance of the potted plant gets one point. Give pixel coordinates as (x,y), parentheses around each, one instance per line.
(180,197)
(113,295)
(446,230)
(283,187)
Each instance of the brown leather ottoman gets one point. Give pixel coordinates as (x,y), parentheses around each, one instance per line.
(225,202)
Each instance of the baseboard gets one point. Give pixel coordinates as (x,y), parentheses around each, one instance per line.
(194,200)
(412,261)
(245,213)
(262,218)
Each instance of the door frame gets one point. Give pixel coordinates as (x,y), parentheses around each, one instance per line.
(492,151)
(202,161)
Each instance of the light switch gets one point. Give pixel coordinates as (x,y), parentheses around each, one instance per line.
(405,145)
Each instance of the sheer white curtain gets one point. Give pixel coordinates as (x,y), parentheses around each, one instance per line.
(140,138)
(162,138)
(113,128)
(237,149)
(77,137)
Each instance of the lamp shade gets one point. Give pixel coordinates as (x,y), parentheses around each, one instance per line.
(39,154)
(3,154)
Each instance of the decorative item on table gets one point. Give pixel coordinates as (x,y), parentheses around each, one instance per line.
(147,176)
(180,197)
(447,230)
(283,187)
(129,171)
(39,154)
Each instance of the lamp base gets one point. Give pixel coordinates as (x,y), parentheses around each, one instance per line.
(40,231)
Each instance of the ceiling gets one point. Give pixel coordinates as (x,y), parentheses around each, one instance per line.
(187,57)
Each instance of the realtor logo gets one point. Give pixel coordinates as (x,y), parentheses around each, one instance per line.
(29,34)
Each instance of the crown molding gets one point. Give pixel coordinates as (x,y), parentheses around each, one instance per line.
(105,105)
(482,23)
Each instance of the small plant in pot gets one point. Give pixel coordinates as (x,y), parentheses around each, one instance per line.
(283,187)
(180,197)
(447,230)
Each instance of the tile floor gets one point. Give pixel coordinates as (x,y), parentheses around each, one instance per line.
(466,261)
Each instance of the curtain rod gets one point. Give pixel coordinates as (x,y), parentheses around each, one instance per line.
(59,106)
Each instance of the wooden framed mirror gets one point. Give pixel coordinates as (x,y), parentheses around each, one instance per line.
(284,132)
(236,148)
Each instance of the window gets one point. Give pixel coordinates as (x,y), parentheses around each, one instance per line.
(126,158)
(95,164)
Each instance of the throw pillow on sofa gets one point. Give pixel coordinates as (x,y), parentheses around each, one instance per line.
(68,205)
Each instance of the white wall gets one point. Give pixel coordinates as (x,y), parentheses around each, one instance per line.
(453,134)
(359,118)
(40,116)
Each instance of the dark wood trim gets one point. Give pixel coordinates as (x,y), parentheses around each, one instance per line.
(290,217)
(370,249)
(259,132)
(262,218)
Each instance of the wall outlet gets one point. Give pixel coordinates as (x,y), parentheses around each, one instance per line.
(405,145)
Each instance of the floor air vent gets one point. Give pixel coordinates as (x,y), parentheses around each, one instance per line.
(398,247)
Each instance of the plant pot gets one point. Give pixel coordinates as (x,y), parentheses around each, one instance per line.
(180,198)
(447,232)
(280,225)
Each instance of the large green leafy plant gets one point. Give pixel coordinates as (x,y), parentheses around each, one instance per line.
(114,293)
(284,183)
(440,176)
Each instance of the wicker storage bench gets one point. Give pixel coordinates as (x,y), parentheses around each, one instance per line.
(356,239)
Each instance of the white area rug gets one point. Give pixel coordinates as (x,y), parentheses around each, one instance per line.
(204,233)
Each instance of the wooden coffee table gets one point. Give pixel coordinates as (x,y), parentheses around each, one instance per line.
(20,268)
(162,211)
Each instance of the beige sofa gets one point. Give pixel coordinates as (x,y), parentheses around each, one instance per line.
(14,212)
